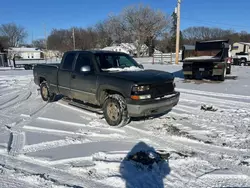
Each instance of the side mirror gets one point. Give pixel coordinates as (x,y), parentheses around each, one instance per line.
(141,66)
(85,69)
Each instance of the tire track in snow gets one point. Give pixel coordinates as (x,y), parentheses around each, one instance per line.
(9,100)
(215,101)
(17,139)
(21,99)
(6,181)
(53,144)
(213,94)
(54,174)
(16,143)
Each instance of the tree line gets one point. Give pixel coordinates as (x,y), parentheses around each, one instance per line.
(136,24)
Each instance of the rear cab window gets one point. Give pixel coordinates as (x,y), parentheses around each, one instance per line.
(83,59)
(68,61)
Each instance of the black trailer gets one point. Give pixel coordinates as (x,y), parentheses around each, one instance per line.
(3,59)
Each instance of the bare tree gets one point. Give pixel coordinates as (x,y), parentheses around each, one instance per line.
(85,38)
(60,39)
(103,36)
(244,36)
(193,34)
(39,43)
(144,23)
(15,33)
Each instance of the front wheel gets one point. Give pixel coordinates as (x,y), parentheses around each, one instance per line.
(115,111)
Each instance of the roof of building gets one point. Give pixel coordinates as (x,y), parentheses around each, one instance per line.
(24,49)
(245,43)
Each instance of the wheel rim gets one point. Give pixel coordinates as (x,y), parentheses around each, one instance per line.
(242,64)
(45,92)
(113,111)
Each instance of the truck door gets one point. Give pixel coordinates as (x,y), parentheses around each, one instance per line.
(83,84)
(64,73)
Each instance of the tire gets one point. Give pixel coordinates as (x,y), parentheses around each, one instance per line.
(46,94)
(243,62)
(186,77)
(229,70)
(222,77)
(115,111)
(27,67)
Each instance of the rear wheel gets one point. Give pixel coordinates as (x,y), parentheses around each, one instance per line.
(46,94)
(229,70)
(115,111)
(223,76)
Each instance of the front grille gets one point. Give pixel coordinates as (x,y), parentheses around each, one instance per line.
(160,90)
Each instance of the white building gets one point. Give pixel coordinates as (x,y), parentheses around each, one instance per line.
(26,53)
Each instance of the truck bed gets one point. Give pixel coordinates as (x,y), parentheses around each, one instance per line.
(48,71)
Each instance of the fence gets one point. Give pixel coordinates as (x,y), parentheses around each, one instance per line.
(162,58)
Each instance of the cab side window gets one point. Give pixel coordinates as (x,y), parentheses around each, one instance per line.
(83,60)
(68,61)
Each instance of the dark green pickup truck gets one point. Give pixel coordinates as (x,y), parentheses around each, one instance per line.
(111,81)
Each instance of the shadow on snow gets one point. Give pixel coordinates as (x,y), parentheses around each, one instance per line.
(144,167)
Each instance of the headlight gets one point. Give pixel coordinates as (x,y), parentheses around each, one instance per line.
(140,97)
(140,88)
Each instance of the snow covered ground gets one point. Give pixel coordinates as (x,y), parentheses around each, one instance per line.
(57,145)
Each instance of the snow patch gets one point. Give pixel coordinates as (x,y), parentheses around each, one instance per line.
(126,69)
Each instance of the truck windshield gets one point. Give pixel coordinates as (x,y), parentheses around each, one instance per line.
(108,62)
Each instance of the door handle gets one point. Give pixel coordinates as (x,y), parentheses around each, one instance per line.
(73,76)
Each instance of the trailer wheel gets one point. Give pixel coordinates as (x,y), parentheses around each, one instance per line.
(27,67)
(243,62)
(115,111)
(46,94)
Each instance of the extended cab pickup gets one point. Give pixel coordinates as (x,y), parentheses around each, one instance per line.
(112,81)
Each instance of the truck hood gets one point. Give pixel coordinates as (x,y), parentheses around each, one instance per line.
(144,76)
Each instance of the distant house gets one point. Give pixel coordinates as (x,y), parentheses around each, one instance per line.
(26,53)
(240,47)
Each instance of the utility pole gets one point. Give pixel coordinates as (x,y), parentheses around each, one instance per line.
(46,44)
(178,32)
(32,38)
(73,36)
